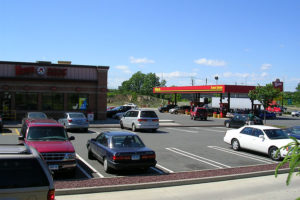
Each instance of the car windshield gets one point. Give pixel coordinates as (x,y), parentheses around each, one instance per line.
(37,115)
(275,134)
(151,114)
(44,133)
(125,141)
(76,115)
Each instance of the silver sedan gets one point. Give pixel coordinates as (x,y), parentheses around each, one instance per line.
(74,120)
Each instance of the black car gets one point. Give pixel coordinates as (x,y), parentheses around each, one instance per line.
(240,120)
(293,131)
(120,150)
(166,108)
(119,109)
(1,123)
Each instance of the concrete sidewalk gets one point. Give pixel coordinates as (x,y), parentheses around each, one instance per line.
(263,187)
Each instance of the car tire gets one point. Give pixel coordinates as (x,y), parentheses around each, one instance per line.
(121,125)
(235,145)
(227,124)
(90,154)
(176,112)
(272,154)
(133,128)
(105,166)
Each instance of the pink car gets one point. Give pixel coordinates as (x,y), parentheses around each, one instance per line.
(49,138)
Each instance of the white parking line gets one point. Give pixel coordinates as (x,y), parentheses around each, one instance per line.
(242,154)
(211,130)
(198,158)
(183,130)
(92,168)
(166,169)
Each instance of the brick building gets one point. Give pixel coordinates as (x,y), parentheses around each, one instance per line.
(52,88)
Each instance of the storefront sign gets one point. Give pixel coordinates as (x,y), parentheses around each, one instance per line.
(41,71)
(278,84)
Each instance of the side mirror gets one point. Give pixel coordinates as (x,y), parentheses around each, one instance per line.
(93,139)
(72,138)
(262,137)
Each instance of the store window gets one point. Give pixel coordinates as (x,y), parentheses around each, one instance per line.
(53,101)
(26,101)
(78,101)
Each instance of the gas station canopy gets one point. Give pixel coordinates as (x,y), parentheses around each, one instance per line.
(205,89)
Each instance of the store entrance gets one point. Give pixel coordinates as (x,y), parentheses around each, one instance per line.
(5,104)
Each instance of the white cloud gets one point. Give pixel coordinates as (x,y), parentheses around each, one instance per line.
(141,60)
(264,74)
(123,68)
(204,61)
(176,75)
(265,66)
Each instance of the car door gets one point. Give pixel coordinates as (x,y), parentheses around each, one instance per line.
(245,137)
(102,145)
(125,119)
(236,121)
(259,143)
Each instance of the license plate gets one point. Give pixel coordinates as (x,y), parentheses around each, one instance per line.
(135,157)
(53,167)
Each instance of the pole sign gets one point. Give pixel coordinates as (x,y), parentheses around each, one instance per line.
(278,84)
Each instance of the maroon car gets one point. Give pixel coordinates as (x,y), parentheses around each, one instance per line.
(198,113)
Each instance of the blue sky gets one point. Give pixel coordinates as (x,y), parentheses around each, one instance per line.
(241,41)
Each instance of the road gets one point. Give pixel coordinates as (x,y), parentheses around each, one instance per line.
(265,187)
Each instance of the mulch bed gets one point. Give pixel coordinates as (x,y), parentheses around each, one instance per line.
(97,182)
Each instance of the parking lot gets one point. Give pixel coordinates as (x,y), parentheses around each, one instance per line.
(177,149)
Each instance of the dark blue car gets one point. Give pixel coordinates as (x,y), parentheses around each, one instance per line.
(269,115)
(294,131)
(120,150)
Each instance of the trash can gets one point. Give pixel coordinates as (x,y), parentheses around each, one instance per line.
(221,115)
(214,114)
(218,115)
(90,116)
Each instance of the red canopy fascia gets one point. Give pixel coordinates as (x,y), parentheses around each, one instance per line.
(205,89)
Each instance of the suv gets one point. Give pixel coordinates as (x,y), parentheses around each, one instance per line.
(140,119)
(198,113)
(52,141)
(24,174)
(34,115)
(179,109)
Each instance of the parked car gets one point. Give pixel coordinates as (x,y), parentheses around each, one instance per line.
(120,150)
(116,110)
(198,113)
(1,123)
(295,113)
(269,115)
(263,139)
(118,115)
(179,109)
(34,115)
(240,120)
(230,115)
(132,105)
(293,131)
(75,120)
(24,174)
(52,141)
(166,108)
(109,108)
(140,119)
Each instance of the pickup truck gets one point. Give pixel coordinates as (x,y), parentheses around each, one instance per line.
(198,113)
(51,140)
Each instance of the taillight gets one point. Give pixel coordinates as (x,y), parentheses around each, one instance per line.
(150,156)
(155,120)
(116,158)
(69,120)
(51,195)
(142,120)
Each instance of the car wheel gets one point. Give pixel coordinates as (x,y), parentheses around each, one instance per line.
(227,124)
(235,145)
(133,128)
(105,165)
(272,154)
(176,112)
(121,125)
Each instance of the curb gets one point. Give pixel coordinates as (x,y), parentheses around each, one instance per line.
(112,188)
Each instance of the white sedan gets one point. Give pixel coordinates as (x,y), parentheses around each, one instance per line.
(264,139)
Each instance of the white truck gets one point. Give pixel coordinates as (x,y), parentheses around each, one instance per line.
(235,103)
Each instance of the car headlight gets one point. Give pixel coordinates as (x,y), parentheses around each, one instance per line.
(70,156)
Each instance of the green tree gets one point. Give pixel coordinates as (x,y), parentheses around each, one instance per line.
(265,95)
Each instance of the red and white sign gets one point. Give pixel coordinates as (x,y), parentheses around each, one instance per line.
(278,84)
(41,71)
